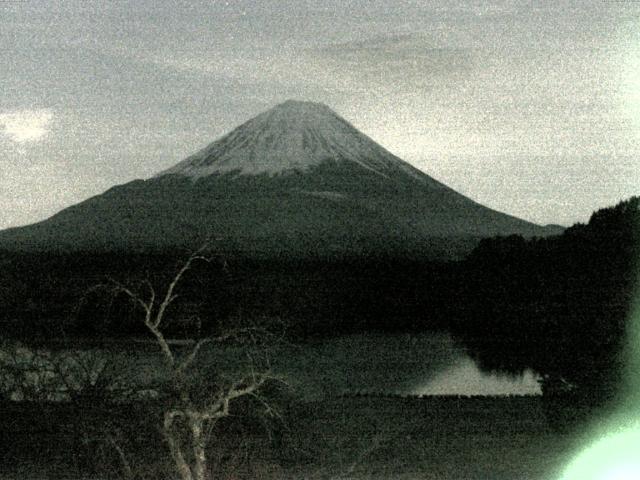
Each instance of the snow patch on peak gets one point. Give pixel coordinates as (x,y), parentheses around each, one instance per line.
(294,135)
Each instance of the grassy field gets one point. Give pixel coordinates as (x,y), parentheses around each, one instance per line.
(439,438)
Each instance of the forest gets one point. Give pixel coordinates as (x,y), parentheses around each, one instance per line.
(559,305)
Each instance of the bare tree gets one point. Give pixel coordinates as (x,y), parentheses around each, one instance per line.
(194,403)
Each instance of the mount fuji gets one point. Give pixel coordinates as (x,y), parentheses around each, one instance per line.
(295,180)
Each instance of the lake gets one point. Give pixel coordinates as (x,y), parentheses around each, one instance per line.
(422,364)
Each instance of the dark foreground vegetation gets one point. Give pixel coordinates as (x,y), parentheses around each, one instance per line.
(445,438)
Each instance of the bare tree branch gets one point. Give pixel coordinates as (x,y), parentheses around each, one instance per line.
(163,344)
(146,306)
(126,466)
(169,295)
(191,411)
(186,363)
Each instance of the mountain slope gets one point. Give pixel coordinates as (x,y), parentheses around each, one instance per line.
(295,180)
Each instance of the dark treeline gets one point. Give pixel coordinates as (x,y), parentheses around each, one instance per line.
(559,305)
(45,295)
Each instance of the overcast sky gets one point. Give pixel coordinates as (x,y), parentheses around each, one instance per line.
(529,107)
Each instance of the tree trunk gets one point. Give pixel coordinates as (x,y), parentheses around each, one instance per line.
(174,447)
(199,451)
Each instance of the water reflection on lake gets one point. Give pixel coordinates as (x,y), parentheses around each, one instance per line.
(425,364)
(465,378)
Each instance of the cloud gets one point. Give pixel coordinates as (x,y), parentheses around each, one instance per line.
(26,125)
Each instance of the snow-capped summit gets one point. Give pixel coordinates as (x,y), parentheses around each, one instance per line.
(293,135)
